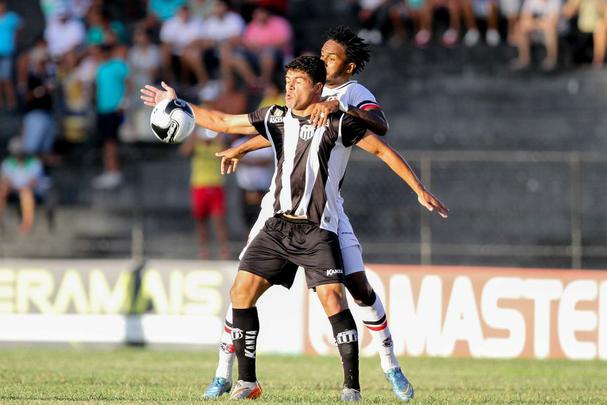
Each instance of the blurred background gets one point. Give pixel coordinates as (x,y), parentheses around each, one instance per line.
(498,104)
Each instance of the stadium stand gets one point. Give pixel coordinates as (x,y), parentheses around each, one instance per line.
(517,156)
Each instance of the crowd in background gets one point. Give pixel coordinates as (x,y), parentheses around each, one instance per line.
(518,23)
(81,77)
(227,55)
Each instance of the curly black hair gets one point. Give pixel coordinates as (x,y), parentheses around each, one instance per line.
(312,65)
(357,50)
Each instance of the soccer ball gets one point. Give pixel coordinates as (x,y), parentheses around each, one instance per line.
(172,120)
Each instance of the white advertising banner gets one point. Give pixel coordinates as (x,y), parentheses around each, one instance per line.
(432,310)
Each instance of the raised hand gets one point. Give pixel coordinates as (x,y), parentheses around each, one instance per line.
(229,160)
(321,111)
(426,199)
(152,95)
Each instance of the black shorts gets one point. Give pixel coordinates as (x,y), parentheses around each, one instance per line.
(284,244)
(108,125)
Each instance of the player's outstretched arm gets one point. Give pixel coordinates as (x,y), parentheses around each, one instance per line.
(231,157)
(373,119)
(214,120)
(376,146)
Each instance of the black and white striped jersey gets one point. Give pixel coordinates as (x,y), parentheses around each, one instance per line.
(310,163)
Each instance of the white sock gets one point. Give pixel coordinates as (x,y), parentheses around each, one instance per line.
(226,349)
(374,318)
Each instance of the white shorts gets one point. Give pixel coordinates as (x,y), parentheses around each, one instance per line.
(351,251)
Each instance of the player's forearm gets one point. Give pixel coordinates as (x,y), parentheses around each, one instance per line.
(211,119)
(400,166)
(374,120)
(259,142)
(376,146)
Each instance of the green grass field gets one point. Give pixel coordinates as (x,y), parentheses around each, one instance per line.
(60,376)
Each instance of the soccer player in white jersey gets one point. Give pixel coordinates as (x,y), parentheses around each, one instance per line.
(344,54)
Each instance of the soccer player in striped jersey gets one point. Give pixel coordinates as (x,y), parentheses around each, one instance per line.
(310,167)
(345,55)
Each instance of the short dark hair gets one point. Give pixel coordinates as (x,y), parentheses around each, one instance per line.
(357,50)
(313,66)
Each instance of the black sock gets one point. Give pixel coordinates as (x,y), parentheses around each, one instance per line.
(346,336)
(244,336)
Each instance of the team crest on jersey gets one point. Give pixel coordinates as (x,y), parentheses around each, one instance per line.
(306,132)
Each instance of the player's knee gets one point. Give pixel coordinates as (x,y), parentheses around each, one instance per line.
(332,299)
(240,296)
(360,289)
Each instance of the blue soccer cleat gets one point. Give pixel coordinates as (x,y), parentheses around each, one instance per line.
(217,388)
(400,385)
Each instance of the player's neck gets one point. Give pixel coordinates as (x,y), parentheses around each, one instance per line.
(338,82)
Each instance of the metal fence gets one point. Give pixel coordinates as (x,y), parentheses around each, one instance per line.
(550,214)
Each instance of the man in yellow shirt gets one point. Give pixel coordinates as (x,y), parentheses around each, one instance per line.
(206,183)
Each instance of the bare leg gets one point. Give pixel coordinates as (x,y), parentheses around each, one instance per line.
(203,239)
(267,68)
(241,66)
(600,43)
(468,15)
(28,209)
(222,236)
(192,59)
(522,45)
(246,289)
(166,66)
(550,34)
(9,91)
(5,189)
(110,156)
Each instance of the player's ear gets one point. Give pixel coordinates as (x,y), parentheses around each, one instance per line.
(350,68)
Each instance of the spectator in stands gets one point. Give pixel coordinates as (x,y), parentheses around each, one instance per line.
(180,35)
(266,44)
(10,24)
(38,122)
(102,29)
(144,65)
(77,82)
(208,200)
(231,99)
(222,32)
(78,8)
(538,16)
(372,16)
(272,95)
(111,89)
(420,12)
(160,11)
(511,10)
(202,8)
(21,175)
(64,34)
(591,20)
(486,8)
(26,62)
